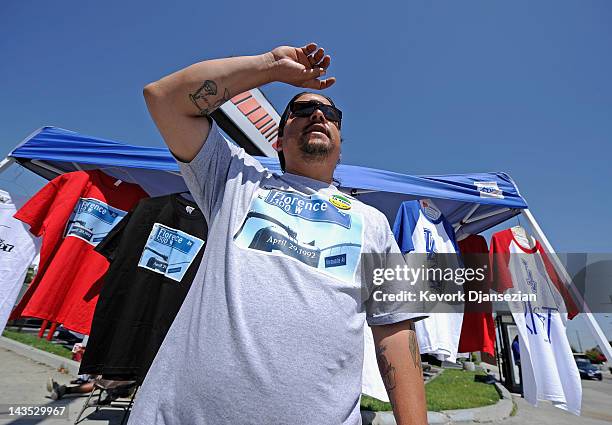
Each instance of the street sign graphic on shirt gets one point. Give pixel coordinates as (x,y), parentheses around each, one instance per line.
(307,228)
(92,219)
(169,251)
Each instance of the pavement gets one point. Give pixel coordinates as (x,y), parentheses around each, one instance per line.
(23,383)
(596,407)
(23,380)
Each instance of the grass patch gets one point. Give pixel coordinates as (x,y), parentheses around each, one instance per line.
(452,389)
(374,404)
(41,344)
(456,389)
(514,409)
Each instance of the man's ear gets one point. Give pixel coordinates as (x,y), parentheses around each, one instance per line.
(279,144)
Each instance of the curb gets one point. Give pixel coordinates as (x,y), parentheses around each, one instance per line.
(39,356)
(498,411)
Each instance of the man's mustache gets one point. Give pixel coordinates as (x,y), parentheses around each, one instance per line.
(317,127)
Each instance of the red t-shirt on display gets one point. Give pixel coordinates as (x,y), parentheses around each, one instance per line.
(503,244)
(72,213)
(478,328)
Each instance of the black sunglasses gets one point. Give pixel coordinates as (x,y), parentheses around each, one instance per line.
(305,109)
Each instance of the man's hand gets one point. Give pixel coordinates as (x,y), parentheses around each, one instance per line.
(301,66)
(179,101)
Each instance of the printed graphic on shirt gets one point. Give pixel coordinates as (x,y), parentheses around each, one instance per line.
(169,251)
(5,246)
(531,282)
(430,244)
(92,219)
(309,229)
(538,320)
(342,202)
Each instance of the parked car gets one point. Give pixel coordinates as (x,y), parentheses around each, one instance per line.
(587,370)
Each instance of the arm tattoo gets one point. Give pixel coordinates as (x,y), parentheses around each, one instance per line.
(387,371)
(413,346)
(203,96)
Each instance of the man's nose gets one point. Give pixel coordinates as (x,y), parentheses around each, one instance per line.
(317,115)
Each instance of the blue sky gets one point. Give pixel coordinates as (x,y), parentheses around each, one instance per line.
(425,87)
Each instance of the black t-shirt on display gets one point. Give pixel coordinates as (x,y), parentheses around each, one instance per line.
(154,254)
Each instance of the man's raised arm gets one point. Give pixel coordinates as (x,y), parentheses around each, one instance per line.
(179,102)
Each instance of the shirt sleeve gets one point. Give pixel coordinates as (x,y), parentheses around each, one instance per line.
(570,304)
(108,246)
(499,260)
(217,163)
(381,312)
(37,209)
(450,231)
(404,225)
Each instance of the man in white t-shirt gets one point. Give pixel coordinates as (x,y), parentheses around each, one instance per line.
(275,314)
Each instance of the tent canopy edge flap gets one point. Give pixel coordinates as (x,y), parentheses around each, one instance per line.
(455,194)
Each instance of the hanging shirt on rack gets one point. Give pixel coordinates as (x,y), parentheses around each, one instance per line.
(154,253)
(72,213)
(549,371)
(420,228)
(478,328)
(18,247)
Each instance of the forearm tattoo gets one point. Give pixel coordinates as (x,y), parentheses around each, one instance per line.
(413,346)
(387,371)
(204,98)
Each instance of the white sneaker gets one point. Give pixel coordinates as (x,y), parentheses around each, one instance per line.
(50,382)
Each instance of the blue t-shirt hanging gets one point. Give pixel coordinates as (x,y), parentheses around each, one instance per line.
(421,228)
(418,229)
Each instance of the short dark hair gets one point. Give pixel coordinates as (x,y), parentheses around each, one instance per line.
(285,117)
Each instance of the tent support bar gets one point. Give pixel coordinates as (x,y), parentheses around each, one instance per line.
(361,191)
(5,163)
(467,217)
(47,167)
(600,337)
(486,215)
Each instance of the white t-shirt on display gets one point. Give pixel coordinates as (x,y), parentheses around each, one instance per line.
(421,228)
(549,371)
(18,247)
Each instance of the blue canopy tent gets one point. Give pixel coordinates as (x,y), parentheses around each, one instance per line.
(475,202)
(471,202)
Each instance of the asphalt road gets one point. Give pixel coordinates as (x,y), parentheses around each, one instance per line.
(22,383)
(596,407)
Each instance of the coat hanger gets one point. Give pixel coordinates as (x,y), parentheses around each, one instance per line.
(430,206)
(186,195)
(520,233)
(117,181)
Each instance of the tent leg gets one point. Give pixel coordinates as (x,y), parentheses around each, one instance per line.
(6,163)
(600,337)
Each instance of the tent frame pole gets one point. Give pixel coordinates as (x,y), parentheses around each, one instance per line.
(47,167)
(485,215)
(6,163)
(467,216)
(600,337)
